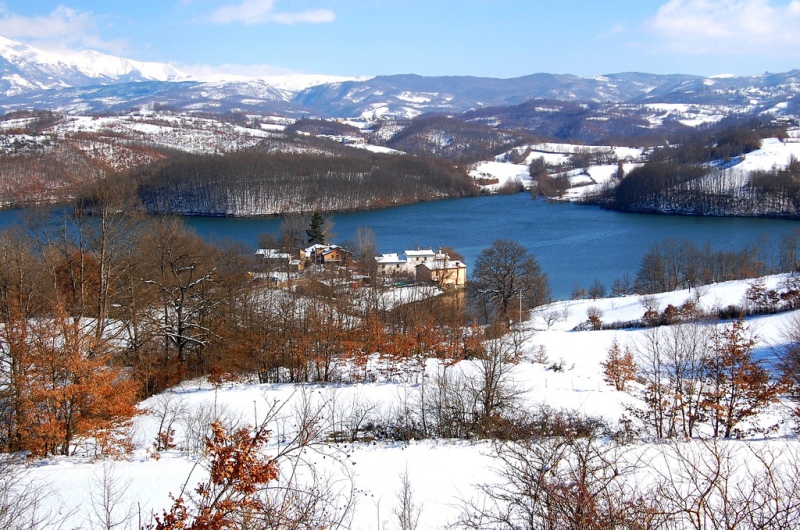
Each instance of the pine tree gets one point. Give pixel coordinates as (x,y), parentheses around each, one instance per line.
(316,230)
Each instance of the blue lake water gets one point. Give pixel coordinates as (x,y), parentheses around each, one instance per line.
(574,244)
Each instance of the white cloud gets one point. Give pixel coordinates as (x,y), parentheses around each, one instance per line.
(731,27)
(263,11)
(64,28)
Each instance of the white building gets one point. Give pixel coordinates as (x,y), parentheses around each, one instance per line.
(406,264)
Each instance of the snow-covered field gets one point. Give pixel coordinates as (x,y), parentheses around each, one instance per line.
(773,153)
(592,179)
(502,172)
(688,114)
(584,181)
(621,153)
(377,149)
(443,472)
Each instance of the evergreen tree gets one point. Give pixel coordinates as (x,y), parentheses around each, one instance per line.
(316,230)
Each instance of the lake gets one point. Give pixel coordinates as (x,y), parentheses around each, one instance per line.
(574,244)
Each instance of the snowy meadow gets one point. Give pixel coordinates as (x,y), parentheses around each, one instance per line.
(375,475)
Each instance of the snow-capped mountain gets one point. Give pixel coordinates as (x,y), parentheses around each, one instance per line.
(91,82)
(25,69)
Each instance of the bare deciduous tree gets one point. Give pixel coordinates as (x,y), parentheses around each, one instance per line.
(564,483)
(407,512)
(111,509)
(506,270)
(714,484)
(168,408)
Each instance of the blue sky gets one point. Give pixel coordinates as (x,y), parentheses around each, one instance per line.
(495,38)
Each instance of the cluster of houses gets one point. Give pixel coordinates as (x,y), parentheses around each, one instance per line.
(421,265)
(424,266)
(275,259)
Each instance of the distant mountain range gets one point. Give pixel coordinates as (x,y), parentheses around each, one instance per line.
(25,69)
(90,82)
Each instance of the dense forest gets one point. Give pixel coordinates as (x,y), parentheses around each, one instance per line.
(264,184)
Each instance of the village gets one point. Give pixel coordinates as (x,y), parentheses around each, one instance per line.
(417,266)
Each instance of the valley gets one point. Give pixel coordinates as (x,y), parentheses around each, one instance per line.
(617,346)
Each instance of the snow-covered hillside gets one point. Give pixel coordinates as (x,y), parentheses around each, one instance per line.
(773,153)
(591,177)
(559,367)
(184,133)
(493,175)
(687,114)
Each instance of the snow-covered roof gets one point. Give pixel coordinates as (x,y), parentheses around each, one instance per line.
(316,247)
(273,253)
(321,248)
(385,259)
(419,253)
(443,265)
(333,248)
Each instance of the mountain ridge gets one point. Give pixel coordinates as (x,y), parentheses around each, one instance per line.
(91,82)
(35,69)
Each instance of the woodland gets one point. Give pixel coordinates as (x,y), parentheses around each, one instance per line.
(264,184)
(686,170)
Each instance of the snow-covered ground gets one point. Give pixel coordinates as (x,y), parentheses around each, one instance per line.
(689,114)
(621,153)
(443,472)
(555,155)
(502,172)
(592,179)
(377,149)
(186,133)
(773,153)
